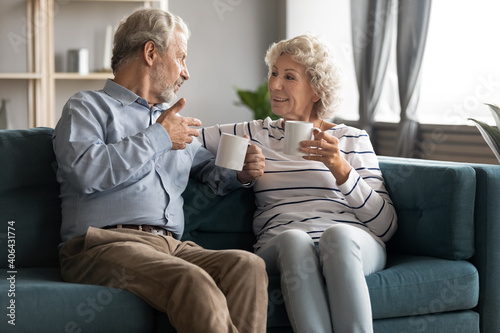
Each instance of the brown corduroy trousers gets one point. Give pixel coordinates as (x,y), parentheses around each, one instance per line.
(200,290)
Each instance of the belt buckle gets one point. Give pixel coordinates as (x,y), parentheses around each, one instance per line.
(157,231)
(153,230)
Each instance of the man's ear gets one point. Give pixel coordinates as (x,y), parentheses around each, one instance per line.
(149,52)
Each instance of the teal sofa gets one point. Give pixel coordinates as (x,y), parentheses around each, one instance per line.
(442,273)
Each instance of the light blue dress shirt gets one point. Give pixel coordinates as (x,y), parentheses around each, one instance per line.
(117,166)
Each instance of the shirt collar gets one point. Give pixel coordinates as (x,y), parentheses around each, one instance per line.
(127,97)
(122,94)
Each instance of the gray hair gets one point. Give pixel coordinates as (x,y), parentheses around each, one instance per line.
(324,73)
(142,26)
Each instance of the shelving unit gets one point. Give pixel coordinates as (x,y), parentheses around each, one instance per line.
(20,76)
(76,76)
(41,75)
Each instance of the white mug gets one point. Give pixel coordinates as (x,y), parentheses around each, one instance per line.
(295,132)
(231,152)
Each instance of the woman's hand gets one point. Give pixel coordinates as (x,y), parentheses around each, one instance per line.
(254,165)
(325,148)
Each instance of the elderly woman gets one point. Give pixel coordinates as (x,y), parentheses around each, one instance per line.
(320,218)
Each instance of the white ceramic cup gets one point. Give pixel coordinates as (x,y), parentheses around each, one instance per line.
(295,132)
(231,152)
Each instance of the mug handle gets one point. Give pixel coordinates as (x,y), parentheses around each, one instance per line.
(315,129)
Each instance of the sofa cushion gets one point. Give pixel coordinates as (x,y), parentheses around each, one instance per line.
(29,196)
(413,285)
(218,222)
(435,208)
(56,306)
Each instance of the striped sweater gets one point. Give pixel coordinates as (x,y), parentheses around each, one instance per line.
(295,193)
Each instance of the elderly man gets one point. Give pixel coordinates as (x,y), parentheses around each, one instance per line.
(124,160)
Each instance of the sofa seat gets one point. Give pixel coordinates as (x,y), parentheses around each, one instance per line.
(409,286)
(433,285)
(56,306)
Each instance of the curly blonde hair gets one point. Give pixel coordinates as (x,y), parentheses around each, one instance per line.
(324,73)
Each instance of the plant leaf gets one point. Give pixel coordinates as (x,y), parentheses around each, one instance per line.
(258,101)
(495,110)
(262,90)
(248,98)
(491,135)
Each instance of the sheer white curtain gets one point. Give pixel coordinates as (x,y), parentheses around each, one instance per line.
(371,23)
(413,23)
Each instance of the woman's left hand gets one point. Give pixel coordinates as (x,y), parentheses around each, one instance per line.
(325,148)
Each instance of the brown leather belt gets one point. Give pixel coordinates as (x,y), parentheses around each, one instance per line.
(146,228)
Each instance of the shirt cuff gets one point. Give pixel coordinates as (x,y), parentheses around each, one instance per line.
(350,183)
(159,138)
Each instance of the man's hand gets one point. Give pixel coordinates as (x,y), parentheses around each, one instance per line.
(254,165)
(177,126)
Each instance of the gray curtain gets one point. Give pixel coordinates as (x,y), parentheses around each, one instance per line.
(413,22)
(372,27)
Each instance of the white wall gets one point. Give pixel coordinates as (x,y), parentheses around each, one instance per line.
(228,42)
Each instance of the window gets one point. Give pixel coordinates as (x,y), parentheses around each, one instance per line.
(460,70)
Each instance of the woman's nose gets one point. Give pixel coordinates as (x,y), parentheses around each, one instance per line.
(274,83)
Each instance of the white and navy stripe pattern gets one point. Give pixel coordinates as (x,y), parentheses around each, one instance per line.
(295,193)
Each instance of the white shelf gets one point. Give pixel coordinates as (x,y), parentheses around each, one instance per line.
(163,4)
(20,76)
(76,76)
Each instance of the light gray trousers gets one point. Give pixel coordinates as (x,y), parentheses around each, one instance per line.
(345,256)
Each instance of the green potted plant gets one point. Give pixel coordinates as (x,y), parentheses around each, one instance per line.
(491,134)
(258,101)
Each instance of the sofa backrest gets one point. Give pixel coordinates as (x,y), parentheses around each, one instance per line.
(29,198)
(434,203)
(435,207)
(216,222)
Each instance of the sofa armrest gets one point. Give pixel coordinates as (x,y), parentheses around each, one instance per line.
(29,197)
(487,235)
